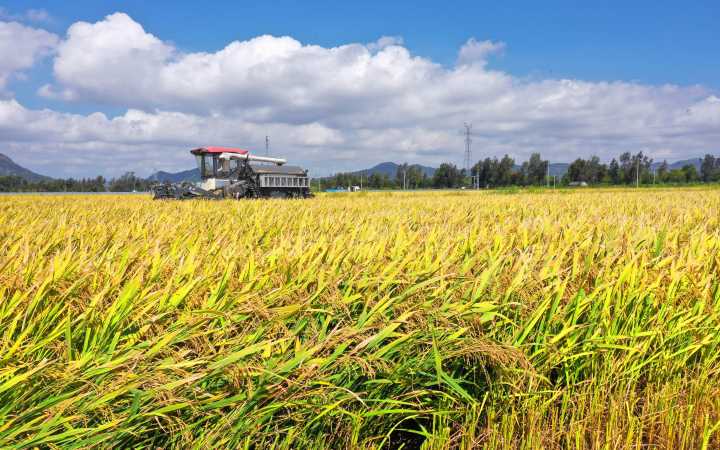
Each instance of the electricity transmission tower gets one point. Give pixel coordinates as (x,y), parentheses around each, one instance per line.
(468,155)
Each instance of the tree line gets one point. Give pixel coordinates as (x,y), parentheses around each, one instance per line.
(638,168)
(126,183)
(501,172)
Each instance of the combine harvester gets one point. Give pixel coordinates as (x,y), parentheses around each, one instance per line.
(234,173)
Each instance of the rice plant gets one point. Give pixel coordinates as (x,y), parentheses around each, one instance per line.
(577,319)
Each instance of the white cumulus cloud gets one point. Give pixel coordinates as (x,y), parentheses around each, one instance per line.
(20,47)
(477,52)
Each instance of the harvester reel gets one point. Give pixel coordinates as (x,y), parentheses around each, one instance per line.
(180,191)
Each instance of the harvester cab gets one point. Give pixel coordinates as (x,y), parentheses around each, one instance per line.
(235,173)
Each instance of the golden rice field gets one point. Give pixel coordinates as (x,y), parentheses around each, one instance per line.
(445,320)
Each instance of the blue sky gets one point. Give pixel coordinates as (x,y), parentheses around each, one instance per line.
(535,45)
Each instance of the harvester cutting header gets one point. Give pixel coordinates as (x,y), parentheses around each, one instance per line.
(227,172)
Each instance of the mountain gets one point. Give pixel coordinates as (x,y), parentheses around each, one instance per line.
(176,177)
(390,169)
(679,164)
(8,167)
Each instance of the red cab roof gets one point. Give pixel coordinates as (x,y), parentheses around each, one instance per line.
(218,150)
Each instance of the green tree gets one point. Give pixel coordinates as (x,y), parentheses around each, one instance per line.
(447,176)
(663,172)
(536,170)
(635,166)
(614,174)
(708,168)
(504,171)
(128,182)
(691,173)
(401,174)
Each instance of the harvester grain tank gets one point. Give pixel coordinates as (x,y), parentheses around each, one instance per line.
(227,172)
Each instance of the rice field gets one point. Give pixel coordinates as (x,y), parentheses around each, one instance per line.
(438,320)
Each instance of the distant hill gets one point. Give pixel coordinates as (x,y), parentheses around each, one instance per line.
(679,164)
(390,169)
(176,177)
(8,167)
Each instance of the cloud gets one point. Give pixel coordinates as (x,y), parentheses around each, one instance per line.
(477,52)
(385,41)
(66,144)
(331,108)
(31,15)
(38,15)
(21,47)
(115,59)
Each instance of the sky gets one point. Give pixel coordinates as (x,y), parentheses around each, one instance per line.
(90,88)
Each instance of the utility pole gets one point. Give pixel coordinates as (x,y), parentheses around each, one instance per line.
(468,153)
(267,145)
(654,170)
(404,183)
(637,173)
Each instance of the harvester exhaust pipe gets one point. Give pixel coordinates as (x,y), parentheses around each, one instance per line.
(249,157)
